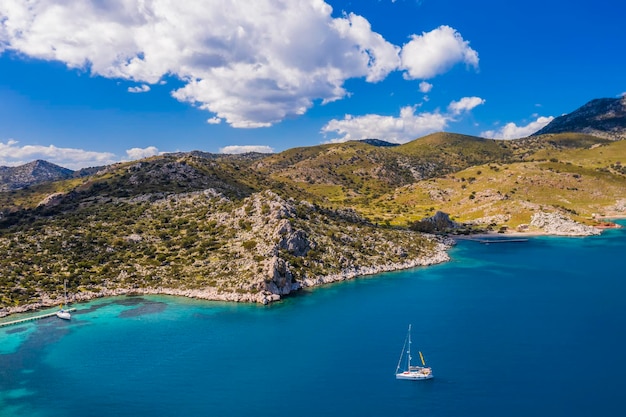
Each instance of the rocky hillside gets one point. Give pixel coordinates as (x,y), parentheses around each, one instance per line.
(354,173)
(36,172)
(200,244)
(604,118)
(582,183)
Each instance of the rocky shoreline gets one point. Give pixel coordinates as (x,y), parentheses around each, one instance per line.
(559,225)
(438,255)
(548,224)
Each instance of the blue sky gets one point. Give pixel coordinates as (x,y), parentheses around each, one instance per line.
(94,82)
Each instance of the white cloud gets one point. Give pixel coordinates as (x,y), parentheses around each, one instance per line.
(465,104)
(140,153)
(512,131)
(237,149)
(144,88)
(251,64)
(425,87)
(407,126)
(400,129)
(214,121)
(11,154)
(435,52)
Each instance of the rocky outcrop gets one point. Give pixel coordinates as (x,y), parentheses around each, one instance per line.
(52,200)
(280,280)
(296,242)
(560,225)
(441,221)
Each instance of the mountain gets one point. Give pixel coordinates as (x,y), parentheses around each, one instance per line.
(36,172)
(603,117)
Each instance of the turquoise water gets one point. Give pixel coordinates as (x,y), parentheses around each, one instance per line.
(517,329)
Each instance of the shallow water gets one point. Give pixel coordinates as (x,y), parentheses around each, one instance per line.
(513,329)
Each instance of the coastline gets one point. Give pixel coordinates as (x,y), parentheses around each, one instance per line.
(552,225)
(437,256)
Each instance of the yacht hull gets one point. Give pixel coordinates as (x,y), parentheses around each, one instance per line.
(65,315)
(413,376)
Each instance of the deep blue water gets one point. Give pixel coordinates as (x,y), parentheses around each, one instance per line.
(516,329)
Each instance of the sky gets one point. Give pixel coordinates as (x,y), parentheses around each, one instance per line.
(93,82)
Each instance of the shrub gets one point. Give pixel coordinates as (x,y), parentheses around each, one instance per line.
(249,244)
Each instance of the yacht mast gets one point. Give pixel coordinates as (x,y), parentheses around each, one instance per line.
(409,351)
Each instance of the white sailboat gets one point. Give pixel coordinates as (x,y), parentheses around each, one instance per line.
(412,372)
(63,313)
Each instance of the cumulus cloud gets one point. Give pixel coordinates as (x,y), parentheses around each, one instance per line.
(425,87)
(214,120)
(237,149)
(435,52)
(140,153)
(403,128)
(144,88)
(465,104)
(407,126)
(12,154)
(512,131)
(251,64)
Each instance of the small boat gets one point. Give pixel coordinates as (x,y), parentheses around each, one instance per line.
(64,313)
(412,372)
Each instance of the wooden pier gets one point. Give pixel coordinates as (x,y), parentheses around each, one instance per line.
(33,318)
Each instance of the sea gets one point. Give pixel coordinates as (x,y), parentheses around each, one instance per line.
(535,328)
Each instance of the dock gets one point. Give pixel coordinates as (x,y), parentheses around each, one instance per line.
(488,241)
(33,318)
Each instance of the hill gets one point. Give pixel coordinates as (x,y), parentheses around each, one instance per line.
(354,173)
(576,175)
(604,117)
(200,244)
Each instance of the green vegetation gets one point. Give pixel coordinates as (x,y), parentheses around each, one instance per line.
(189,241)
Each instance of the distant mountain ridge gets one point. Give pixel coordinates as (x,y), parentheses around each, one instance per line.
(378,142)
(36,172)
(603,117)
(425,157)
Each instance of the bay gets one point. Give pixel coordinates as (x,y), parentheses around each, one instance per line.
(516,329)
